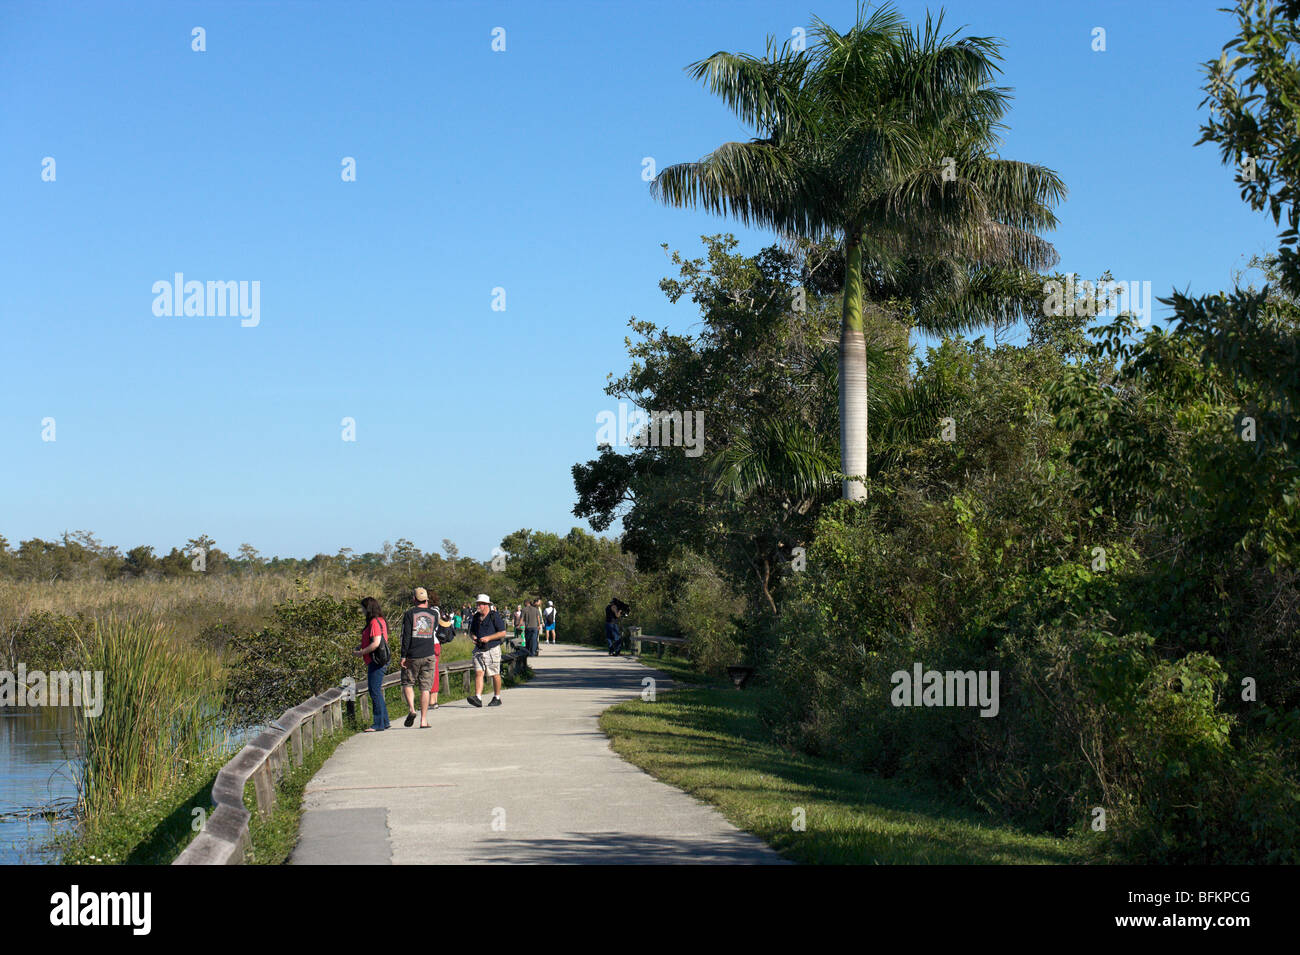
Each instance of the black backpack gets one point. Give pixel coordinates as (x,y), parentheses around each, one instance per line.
(381,654)
(444,634)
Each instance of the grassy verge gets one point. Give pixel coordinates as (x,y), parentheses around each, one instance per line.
(275,834)
(151,829)
(709,742)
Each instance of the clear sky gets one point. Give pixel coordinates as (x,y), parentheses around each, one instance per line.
(475,170)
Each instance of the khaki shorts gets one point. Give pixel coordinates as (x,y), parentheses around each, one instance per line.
(421,673)
(489,661)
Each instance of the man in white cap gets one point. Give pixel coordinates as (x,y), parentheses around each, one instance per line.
(486,629)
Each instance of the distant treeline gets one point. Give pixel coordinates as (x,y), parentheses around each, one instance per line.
(78,555)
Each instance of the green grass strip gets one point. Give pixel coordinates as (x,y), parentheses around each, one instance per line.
(275,834)
(150,829)
(710,743)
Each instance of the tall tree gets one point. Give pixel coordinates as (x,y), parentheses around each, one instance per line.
(884,137)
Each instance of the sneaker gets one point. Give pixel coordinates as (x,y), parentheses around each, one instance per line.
(496,701)
(474,701)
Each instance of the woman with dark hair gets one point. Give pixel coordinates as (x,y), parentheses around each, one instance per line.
(372,634)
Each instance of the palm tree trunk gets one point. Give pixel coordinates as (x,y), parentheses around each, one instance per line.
(853,376)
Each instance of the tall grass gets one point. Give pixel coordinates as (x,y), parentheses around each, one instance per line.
(191,604)
(162,701)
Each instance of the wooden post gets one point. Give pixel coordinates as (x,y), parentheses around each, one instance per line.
(264,787)
(295,745)
(276,760)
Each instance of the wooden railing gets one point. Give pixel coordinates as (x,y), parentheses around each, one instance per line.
(636,638)
(225,839)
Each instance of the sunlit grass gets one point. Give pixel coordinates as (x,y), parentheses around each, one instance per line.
(710,743)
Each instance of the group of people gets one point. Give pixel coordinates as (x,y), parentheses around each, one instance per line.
(425,627)
(530,620)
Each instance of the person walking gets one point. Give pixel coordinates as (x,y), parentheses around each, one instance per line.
(373,634)
(548,622)
(518,619)
(615,609)
(487,629)
(455,621)
(420,656)
(532,624)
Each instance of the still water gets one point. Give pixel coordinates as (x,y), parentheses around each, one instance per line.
(39,768)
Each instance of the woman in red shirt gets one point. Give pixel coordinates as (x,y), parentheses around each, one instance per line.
(375,631)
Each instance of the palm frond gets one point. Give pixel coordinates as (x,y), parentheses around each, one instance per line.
(776,456)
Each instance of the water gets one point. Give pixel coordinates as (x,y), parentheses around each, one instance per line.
(40,763)
(38,771)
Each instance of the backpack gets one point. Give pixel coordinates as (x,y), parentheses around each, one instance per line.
(381,654)
(448,633)
(548,615)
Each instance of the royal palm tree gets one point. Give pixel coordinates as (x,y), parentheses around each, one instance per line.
(883,137)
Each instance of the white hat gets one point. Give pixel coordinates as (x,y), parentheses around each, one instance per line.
(483,599)
(549,604)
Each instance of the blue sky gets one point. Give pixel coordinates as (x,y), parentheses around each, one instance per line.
(475,170)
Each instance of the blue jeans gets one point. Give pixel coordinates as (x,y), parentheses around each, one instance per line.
(530,641)
(375,681)
(613,637)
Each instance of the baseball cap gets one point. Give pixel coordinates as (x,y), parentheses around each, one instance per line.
(421,595)
(483,599)
(549,604)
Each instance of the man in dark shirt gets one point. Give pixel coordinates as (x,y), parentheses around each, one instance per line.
(419,655)
(486,629)
(532,624)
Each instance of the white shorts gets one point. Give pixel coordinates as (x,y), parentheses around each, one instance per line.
(489,661)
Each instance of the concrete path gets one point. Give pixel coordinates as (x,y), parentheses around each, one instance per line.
(531,781)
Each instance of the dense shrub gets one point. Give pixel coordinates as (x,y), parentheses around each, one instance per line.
(304,650)
(1119,649)
(41,639)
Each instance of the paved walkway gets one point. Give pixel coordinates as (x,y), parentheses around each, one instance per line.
(531,781)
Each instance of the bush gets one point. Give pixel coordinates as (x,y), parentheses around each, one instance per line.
(1113,640)
(42,639)
(304,651)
